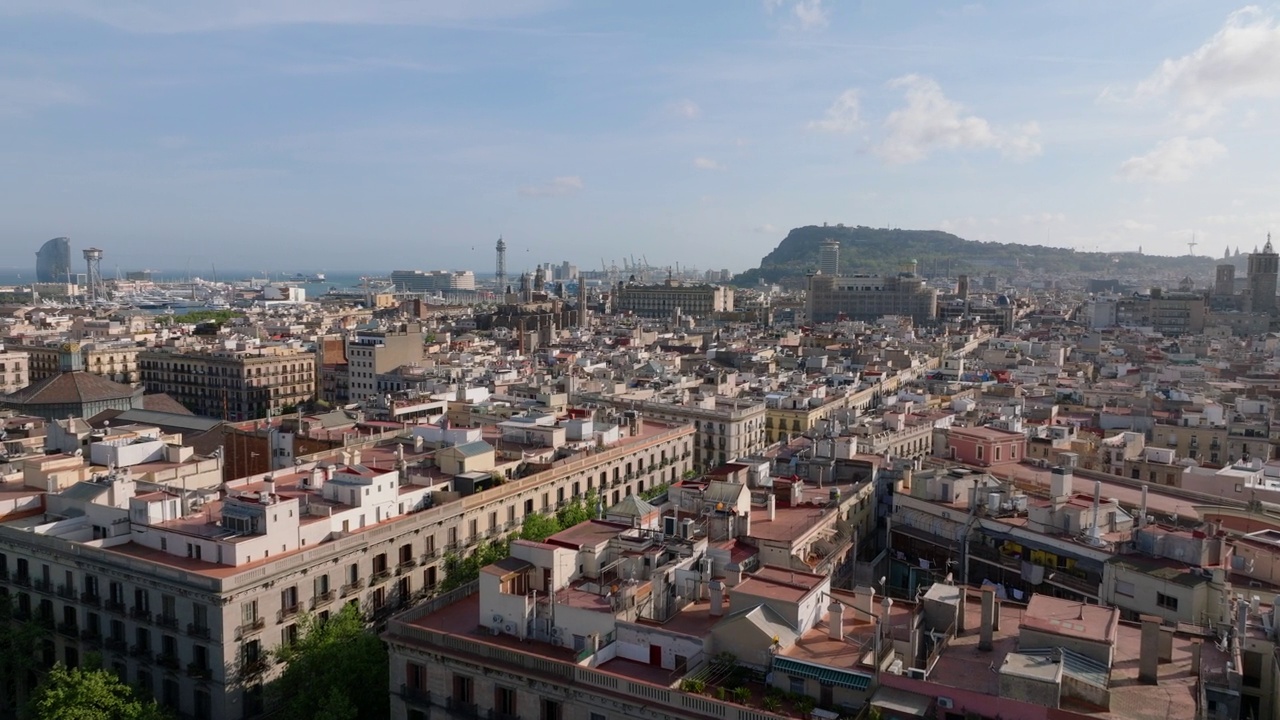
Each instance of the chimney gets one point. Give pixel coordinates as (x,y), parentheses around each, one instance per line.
(995,614)
(1149,653)
(717,598)
(835,620)
(1095,532)
(1195,659)
(1242,619)
(329,470)
(269,485)
(913,640)
(886,619)
(772,504)
(864,601)
(1142,511)
(317,478)
(355,456)
(988,614)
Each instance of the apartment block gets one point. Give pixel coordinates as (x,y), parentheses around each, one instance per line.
(725,428)
(232,384)
(14,370)
(186,593)
(116,361)
(378,351)
(662,301)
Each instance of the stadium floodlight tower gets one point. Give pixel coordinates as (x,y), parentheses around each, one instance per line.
(93,263)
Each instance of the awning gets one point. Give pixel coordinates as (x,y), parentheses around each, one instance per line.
(901,703)
(827,675)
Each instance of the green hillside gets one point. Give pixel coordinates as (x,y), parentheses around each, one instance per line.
(884,250)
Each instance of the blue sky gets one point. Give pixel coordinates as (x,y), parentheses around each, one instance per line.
(326,135)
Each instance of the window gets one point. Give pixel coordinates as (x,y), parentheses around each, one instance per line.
(322,585)
(415,676)
(550,710)
(504,701)
(249,612)
(797,685)
(979,452)
(462,689)
(1166,601)
(1124,588)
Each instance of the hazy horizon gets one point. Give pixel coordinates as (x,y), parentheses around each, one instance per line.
(312,136)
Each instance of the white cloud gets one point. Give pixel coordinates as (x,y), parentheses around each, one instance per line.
(1172,160)
(162,16)
(766,229)
(842,116)
(1241,61)
(706,163)
(1136,226)
(566,185)
(686,109)
(930,121)
(810,14)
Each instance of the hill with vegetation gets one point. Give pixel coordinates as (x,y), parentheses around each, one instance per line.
(885,250)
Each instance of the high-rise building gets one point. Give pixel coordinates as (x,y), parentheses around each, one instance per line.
(829,257)
(1263,269)
(371,353)
(53,261)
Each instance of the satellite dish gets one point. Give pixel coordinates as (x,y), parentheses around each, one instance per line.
(79,452)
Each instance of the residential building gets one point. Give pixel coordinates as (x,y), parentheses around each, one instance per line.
(232,384)
(116,361)
(664,300)
(14,370)
(376,351)
(725,428)
(185,594)
(870,297)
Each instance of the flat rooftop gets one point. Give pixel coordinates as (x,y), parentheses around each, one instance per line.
(963,665)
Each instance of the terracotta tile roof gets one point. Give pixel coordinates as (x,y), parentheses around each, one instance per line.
(70,388)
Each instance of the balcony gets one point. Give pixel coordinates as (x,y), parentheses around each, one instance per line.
(23,580)
(168,621)
(379,576)
(405,566)
(44,586)
(66,591)
(461,709)
(322,599)
(251,627)
(91,637)
(166,660)
(115,606)
(199,631)
(415,696)
(141,652)
(90,598)
(140,613)
(68,629)
(287,612)
(117,645)
(199,672)
(254,667)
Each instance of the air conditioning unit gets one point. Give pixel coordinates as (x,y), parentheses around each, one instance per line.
(946,703)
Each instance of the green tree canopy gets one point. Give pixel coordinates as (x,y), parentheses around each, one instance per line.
(459,570)
(337,670)
(538,527)
(88,694)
